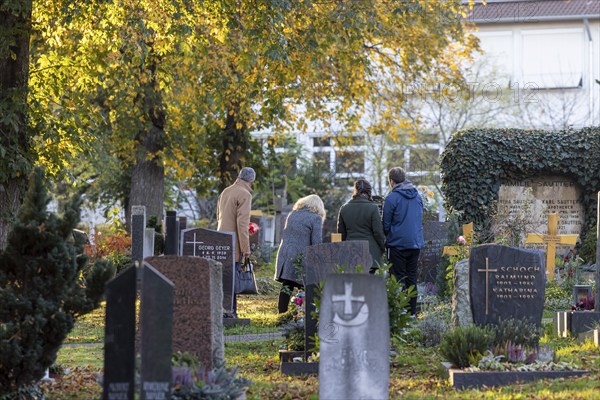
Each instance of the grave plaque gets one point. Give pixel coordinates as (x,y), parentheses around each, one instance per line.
(543,195)
(506,282)
(197,306)
(354,336)
(323,259)
(119,336)
(435,235)
(214,245)
(156,319)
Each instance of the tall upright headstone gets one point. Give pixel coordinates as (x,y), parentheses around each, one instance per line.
(172,234)
(321,260)
(435,234)
(156,320)
(149,237)
(506,282)
(197,306)
(119,337)
(138,228)
(214,245)
(354,337)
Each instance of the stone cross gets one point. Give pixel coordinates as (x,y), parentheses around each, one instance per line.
(551,239)
(467,232)
(487,270)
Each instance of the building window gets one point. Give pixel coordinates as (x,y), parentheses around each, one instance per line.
(321,159)
(321,142)
(424,159)
(350,162)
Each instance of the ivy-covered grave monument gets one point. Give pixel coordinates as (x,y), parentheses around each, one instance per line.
(517,184)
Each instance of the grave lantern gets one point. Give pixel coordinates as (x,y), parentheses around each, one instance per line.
(581,294)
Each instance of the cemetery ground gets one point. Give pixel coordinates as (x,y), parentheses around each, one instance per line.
(414,370)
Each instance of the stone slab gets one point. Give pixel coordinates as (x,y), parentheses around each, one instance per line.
(197,306)
(461,380)
(299,368)
(593,336)
(506,282)
(572,323)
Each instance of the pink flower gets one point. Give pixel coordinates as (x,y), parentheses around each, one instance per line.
(461,240)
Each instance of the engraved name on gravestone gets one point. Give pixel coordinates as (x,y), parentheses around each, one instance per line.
(435,235)
(156,319)
(354,337)
(214,245)
(119,337)
(321,260)
(197,306)
(543,195)
(506,282)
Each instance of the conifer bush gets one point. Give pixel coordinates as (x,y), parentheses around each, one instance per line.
(44,284)
(465,345)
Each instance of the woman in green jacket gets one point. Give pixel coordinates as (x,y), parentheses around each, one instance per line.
(359,219)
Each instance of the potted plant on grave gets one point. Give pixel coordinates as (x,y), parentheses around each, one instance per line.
(501,354)
(193,382)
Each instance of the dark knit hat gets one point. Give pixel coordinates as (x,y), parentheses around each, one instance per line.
(247,174)
(397,175)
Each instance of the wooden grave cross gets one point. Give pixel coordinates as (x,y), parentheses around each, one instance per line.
(551,239)
(467,232)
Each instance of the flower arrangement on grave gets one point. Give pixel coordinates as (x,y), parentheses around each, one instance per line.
(512,345)
(191,381)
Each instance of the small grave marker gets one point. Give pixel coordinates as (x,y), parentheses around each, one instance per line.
(551,240)
(467,233)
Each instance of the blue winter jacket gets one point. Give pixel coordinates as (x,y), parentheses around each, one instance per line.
(403,217)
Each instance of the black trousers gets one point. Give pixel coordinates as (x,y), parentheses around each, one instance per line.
(285,294)
(404,268)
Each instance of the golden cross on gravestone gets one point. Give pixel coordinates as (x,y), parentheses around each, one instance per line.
(551,239)
(487,271)
(467,232)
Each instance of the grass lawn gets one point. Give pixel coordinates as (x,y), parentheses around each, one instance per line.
(414,371)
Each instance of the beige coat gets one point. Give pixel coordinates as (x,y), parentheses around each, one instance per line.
(233,214)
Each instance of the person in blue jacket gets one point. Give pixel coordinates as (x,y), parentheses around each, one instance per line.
(403,228)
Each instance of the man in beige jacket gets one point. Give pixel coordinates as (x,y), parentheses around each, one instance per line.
(233,215)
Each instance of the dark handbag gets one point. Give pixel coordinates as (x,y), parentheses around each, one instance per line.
(245,283)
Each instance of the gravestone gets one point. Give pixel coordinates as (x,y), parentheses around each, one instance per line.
(172,234)
(119,336)
(156,320)
(149,236)
(435,235)
(214,245)
(197,306)
(506,282)
(543,195)
(321,260)
(354,337)
(461,302)
(138,227)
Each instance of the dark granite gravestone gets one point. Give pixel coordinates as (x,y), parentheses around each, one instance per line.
(119,337)
(321,260)
(506,282)
(214,245)
(354,336)
(197,306)
(436,237)
(138,227)
(172,234)
(156,320)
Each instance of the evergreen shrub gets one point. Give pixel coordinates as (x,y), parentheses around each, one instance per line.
(465,345)
(44,285)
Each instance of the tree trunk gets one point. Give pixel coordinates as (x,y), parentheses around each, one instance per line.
(15,139)
(148,175)
(236,142)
